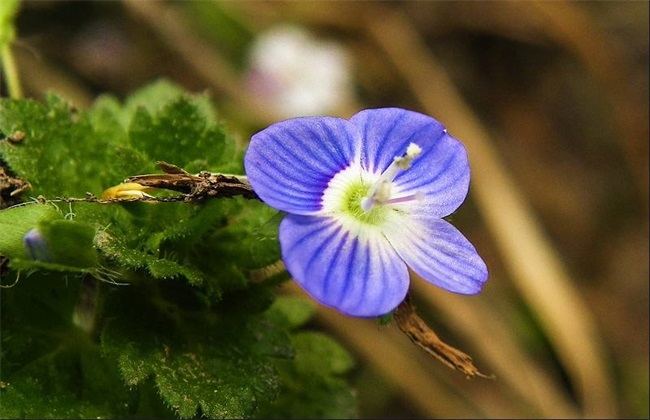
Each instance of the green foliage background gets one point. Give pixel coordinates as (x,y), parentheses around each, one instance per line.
(146,309)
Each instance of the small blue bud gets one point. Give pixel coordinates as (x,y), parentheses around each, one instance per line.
(36,245)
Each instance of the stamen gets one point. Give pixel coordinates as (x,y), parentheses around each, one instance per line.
(380,192)
(405,198)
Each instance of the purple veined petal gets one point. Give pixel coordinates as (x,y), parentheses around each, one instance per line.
(290,163)
(438,252)
(387,132)
(357,275)
(440,173)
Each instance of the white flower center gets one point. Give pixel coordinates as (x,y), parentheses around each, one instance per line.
(355,194)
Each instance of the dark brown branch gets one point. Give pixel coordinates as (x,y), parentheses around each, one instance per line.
(196,187)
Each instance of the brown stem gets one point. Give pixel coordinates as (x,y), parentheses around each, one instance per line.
(423,336)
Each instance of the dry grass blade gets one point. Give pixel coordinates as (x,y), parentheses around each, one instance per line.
(573,28)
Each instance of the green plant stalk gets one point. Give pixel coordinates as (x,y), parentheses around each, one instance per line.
(10,71)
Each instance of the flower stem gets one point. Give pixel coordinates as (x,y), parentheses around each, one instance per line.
(10,71)
(8,10)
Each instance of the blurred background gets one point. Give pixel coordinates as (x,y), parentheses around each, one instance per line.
(551,101)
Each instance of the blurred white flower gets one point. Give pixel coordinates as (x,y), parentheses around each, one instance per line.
(297,74)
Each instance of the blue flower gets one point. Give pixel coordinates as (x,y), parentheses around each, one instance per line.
(365,200)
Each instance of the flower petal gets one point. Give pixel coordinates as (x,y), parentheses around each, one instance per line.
(290,163)
(440,173)
(438,252)
(357,273)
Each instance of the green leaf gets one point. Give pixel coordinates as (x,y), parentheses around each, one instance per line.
(180,134)
(165,123)
(93,390)
(46,157)
(190,335)
(154,96)
(318,353)
(312,384)
(291,311)
(68,152)
(120,158)
(50,366)
(219,367)
(159,122)
(117,250)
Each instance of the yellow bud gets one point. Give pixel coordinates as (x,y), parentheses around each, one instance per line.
(126,191)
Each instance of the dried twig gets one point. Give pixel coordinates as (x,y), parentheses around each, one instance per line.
(423,336)
(196,187)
